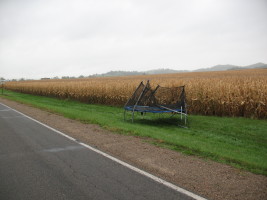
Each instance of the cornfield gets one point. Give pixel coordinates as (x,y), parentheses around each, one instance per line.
(226,93)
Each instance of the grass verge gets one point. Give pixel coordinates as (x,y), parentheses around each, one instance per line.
(239,142)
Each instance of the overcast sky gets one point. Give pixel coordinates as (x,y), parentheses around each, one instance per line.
(47,38)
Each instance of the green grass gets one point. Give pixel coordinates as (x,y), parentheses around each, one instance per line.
(239,142)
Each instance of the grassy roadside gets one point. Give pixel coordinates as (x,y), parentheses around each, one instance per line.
(238,142)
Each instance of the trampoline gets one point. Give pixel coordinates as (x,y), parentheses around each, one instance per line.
(159,100)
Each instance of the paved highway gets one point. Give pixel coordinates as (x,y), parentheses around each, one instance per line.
(37,162)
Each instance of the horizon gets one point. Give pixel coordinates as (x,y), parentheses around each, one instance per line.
(145,72)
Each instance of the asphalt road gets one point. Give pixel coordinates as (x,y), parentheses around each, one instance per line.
(38,163)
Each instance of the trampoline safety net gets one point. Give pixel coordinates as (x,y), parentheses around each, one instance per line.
(158,100)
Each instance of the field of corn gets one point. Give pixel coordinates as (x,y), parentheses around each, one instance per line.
(226,93)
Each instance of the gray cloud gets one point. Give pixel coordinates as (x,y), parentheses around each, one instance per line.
(60,37)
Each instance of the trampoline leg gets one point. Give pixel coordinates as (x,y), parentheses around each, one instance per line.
(181,113)
(132,116)
(185,117)
(142,115)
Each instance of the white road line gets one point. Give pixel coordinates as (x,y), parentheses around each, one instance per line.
(157,179)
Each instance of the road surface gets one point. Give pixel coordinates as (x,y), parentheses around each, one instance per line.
(37,162)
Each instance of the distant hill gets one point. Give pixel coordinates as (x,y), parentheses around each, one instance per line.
(118,73)
(130,73)
(216,68)
(254,66)
(232,67)
(164,71)
(169,71)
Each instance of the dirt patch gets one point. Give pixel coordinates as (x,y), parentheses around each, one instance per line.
(206,178)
